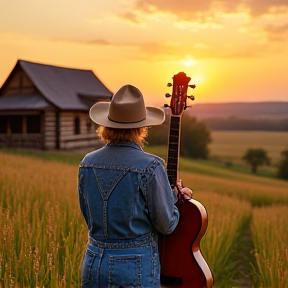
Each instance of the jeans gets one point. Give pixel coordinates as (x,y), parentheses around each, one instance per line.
(126,264)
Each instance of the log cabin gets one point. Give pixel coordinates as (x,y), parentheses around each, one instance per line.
(46,107)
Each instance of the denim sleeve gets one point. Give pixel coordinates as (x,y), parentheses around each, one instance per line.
(163,214)
(82,202)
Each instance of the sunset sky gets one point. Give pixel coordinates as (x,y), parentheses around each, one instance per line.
(234,51)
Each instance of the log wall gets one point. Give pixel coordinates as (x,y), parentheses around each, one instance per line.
(87,136)
(20,84)
(50,130)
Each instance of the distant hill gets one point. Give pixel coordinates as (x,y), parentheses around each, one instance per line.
(256,116)
(240,109)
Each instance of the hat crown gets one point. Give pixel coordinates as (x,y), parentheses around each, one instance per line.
(126,110)
(127,105)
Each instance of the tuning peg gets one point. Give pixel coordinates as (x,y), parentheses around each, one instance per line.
(167,95)
(192,86)
(191,97)
(169,84)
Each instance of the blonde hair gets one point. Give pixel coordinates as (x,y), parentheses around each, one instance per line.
(116,136)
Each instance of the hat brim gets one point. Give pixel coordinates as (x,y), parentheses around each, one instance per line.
(99,114)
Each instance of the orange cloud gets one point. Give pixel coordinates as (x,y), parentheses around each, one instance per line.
(98,42)
(258,8)
(277,33)
(188,9)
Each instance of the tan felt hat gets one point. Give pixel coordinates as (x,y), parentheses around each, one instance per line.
(126,110)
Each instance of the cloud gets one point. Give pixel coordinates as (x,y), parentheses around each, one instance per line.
(97,42)
(130,16)
(263,21)
(277,33)
(199,11)
(197,8)
(258,8)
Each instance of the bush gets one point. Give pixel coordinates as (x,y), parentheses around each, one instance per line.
(194,140)
(158,135)
(256,157)
(283,166)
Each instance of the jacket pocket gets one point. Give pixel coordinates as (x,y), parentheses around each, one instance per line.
(125,271)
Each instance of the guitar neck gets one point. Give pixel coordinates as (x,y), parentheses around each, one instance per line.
(173,149)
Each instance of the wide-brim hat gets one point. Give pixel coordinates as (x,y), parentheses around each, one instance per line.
(126,110)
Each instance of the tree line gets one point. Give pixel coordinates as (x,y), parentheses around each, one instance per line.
(246,124)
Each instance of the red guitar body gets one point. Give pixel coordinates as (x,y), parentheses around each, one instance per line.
(180,255)
(182,264)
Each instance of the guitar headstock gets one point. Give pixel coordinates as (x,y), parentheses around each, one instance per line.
(179,96)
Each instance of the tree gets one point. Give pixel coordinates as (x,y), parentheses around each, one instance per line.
(194,138)
(256,157)
(158,135)
(283,165)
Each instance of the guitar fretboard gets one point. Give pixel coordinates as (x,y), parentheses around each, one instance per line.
(173,149)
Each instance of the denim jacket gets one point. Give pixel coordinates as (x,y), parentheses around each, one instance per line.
(124,193)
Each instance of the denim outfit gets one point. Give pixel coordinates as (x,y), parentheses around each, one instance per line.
(125,198)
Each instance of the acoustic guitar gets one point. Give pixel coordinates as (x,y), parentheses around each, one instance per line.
(182,264)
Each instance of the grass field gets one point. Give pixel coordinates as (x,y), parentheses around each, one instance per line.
(43,235)
(227,149)
(231,145)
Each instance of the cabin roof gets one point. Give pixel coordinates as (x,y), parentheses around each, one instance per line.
(18,102)
(65,88)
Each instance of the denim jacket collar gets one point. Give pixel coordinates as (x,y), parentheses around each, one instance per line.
(129,144)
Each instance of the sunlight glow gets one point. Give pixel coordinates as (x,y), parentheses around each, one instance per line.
(197,80)
(188,61)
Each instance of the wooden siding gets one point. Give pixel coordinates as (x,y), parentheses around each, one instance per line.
(20,84)
(51,136)
(87,136)
(50,130)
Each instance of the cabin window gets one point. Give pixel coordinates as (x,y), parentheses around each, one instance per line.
(33,123)
(16,124)
(3,124)
(77,125)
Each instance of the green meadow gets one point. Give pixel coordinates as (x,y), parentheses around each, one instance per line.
(231,145)
(43,235)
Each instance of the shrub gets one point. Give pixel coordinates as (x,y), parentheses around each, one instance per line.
(283,165)
(256,157)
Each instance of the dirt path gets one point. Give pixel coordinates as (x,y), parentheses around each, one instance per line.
(245,257)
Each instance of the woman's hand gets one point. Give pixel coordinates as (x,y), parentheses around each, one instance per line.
(187,192)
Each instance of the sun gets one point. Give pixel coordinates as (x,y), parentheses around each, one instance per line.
(190,64)
(188,61)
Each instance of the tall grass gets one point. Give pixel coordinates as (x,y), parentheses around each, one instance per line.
(42,232)
(271,246)
(43,235)
(226,219)
(244,197)
(258,191)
